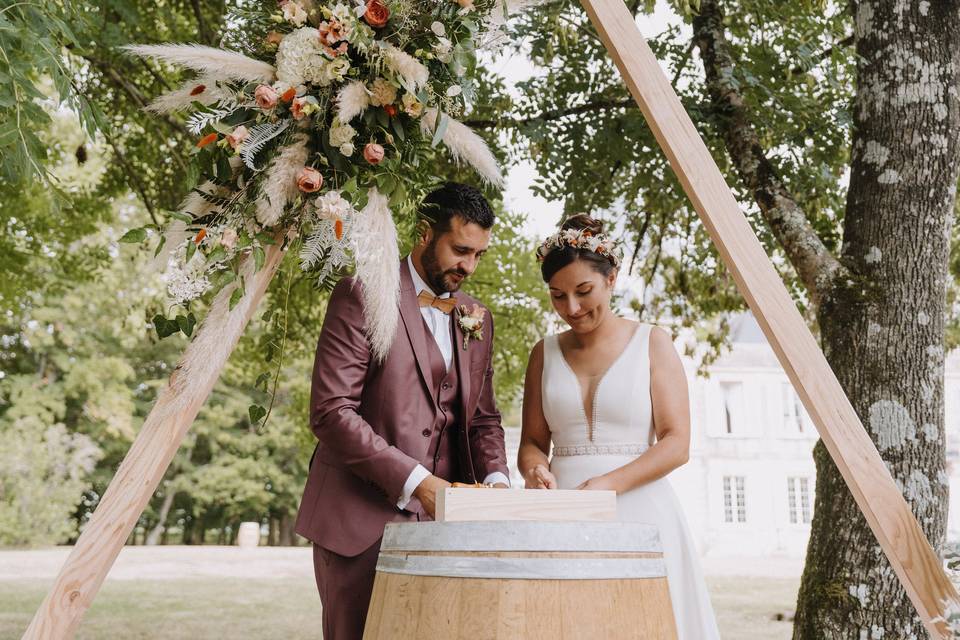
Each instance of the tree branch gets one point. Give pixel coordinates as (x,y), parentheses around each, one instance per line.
(815,265)
(826,53)
(556,114)
(137,96)
(205,36)
(134,180)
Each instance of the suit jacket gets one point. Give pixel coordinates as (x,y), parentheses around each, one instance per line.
(371,419)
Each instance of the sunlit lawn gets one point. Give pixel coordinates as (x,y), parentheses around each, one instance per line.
(288,607)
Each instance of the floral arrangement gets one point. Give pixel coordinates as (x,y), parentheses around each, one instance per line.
(471,322)
(580,239)
(319,128)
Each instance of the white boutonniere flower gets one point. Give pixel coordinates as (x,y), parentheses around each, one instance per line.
(471,322)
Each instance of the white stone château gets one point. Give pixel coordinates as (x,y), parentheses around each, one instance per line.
(748,489)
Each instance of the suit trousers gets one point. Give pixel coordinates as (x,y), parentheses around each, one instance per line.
(345,585)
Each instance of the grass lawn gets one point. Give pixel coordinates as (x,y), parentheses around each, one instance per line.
(179,609)
(284,608)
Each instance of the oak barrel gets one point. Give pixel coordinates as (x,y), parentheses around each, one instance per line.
(508,580)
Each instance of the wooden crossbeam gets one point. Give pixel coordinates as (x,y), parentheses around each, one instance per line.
(914,560)
(144,465)
(560,505)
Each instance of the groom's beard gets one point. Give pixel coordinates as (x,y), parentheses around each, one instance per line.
(437,278)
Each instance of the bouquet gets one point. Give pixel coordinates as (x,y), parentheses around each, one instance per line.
(319,126)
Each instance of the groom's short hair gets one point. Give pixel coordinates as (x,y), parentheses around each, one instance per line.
(455,199)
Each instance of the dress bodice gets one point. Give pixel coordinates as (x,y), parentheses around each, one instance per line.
(621,420)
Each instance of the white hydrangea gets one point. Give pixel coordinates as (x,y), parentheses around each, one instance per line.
(300,58)
(188,281)
(341,134)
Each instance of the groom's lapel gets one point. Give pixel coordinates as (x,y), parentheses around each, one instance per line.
(461,359)
(413,322)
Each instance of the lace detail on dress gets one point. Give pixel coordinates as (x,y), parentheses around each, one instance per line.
(601,450)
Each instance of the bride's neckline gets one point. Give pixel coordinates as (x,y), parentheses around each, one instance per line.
(591,420)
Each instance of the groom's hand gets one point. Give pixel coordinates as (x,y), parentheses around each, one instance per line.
(426,493)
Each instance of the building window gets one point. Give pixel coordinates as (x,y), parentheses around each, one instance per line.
(798,497)
(734,499)
(732,393)
(794,415)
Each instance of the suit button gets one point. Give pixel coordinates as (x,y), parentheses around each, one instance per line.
(426,433)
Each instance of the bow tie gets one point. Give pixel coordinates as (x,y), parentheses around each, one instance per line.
(427,299)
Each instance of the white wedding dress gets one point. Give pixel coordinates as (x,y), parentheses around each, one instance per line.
(619,431)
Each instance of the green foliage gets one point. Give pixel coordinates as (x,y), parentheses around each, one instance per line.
(43,472)
(594,151)
(508,282)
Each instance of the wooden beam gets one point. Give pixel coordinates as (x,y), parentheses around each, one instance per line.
(458,505)
(914,560)
(147,460)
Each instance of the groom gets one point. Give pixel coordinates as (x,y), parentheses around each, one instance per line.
(392,434)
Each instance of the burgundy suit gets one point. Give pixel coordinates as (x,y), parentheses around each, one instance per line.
(375,423)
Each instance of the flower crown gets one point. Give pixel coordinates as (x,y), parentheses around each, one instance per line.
(580,239)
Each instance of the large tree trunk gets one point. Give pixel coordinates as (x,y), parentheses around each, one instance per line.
(882,324)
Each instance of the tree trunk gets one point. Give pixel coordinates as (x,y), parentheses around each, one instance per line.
(882,327)
(158,530)
(272,533)
(287,537)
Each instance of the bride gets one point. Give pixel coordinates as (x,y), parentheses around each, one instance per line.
(611,396)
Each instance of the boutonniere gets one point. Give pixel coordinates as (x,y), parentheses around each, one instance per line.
(471,322)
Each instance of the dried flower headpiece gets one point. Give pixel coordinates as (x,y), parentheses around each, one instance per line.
(580,239)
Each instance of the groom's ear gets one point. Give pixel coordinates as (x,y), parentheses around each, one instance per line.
(424,232)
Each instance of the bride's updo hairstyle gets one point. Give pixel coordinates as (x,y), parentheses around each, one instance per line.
(580,238)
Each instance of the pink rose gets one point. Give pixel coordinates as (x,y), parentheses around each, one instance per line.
(274,38)
(237,136)
(296,109)
(228,238)
(266,96)
(309,180)
(373,153)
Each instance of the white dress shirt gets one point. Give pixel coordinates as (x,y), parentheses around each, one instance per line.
(439,324)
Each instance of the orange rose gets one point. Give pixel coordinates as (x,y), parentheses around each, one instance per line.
(289,94)
(377,14)
(309,180)
(373,153)
(390,109)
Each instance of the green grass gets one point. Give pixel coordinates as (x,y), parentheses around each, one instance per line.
(290,609)
(745,606)
(179,609)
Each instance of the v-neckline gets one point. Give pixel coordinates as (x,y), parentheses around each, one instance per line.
(592,423)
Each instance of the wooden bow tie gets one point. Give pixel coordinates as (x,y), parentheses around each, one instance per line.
(427,299)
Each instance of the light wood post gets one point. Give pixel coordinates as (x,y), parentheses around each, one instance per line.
(851,448)
(147,460)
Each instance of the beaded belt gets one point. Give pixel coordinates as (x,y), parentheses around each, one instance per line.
(601,450)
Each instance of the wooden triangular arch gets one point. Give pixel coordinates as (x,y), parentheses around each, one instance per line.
(914,560)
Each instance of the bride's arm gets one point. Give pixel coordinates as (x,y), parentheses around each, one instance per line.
(671,420)
(535,434)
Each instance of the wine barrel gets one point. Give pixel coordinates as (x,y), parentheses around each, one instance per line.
(508,580)
(249,535)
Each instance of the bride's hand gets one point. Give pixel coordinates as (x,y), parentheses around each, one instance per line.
(600,483)
(541,478)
